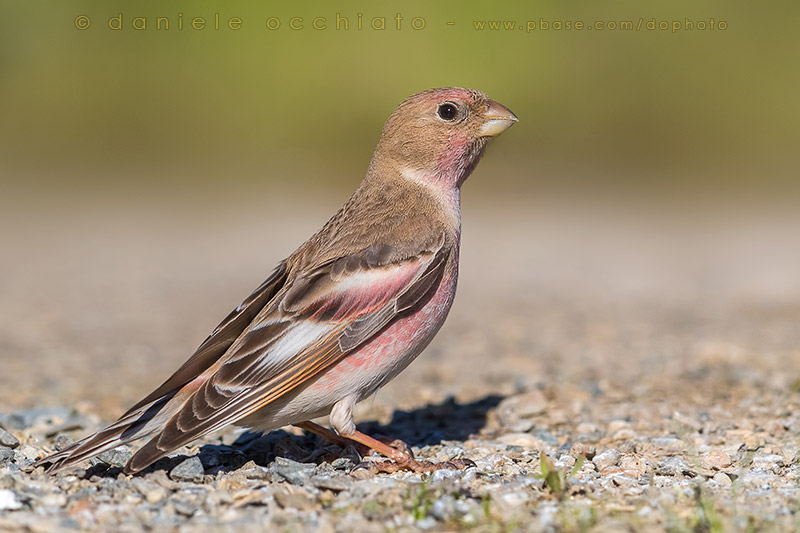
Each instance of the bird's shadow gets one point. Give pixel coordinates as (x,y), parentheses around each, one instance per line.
(434,423)
(425,426)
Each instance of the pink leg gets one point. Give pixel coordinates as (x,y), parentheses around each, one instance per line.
(323,432)
(396,450)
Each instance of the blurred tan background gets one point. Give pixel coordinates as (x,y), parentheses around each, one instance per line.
(152,178)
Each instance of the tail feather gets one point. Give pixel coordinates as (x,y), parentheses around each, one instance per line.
(134,425)
(150,415)
(145,456)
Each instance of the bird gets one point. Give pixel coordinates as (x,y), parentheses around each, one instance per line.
(344,314)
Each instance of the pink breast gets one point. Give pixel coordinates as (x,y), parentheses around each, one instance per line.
(375,363)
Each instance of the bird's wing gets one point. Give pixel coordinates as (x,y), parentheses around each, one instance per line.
(315,322)
(220,339)
(283,336)
(310,326)
(143,418)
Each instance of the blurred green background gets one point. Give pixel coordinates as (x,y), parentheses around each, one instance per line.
(116,112)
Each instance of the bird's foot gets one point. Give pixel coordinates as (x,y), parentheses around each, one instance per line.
(364,446)
(397,444)
(399,453)
(401,457)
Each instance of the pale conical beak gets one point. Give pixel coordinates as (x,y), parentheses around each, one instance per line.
(496,119)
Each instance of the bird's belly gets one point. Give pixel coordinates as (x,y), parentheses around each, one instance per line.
(367,369)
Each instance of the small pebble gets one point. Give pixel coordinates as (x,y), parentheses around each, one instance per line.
(185,508)
(768,462)
(450,452)
(343,463)
(293,500)
(156,494)
(669,445)
(522,439)
(254,471)
(445,473)
(673,466)
(687,421)
(565,461)
(606,459)
(8,440)
(6,454)
(717,460)
(62,443)
(586,427)
(26,455)
(442,508)
(335,484)
(427,523)
(616,425)
(9,500)
(116,457)
(292,471)
(722,479)
(624,434)
(362,473)
(190,469)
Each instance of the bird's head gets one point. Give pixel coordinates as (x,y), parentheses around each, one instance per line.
(439,135)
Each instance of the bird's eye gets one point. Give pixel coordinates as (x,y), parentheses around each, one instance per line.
(447,111)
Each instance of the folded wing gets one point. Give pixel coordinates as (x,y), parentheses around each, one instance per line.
(289,333)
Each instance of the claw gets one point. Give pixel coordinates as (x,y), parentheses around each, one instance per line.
(379,467)
(463,464)
(390,467)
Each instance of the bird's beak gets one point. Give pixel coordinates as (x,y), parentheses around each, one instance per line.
(496,119)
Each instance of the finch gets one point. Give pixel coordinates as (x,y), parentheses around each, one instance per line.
(343,314)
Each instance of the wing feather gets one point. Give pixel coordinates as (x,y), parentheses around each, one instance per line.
(223,336)
(289,331)
(253,376)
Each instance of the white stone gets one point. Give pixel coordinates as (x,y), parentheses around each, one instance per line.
(8,500)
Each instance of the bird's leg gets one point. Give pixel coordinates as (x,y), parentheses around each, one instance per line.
(397,444)
(397,454)
(324,433)
(396,450)
(363,449)
(401,459)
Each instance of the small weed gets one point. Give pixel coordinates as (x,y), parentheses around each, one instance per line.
(371,509)
(486,504)
(577,519)
(422,502)
(555,479)
(586,521)
(707,519)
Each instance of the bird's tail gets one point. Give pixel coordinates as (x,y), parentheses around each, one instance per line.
(135,424)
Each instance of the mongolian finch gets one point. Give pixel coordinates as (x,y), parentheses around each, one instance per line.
(342,315)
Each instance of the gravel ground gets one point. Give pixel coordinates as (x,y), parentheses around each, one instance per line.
(602,375)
